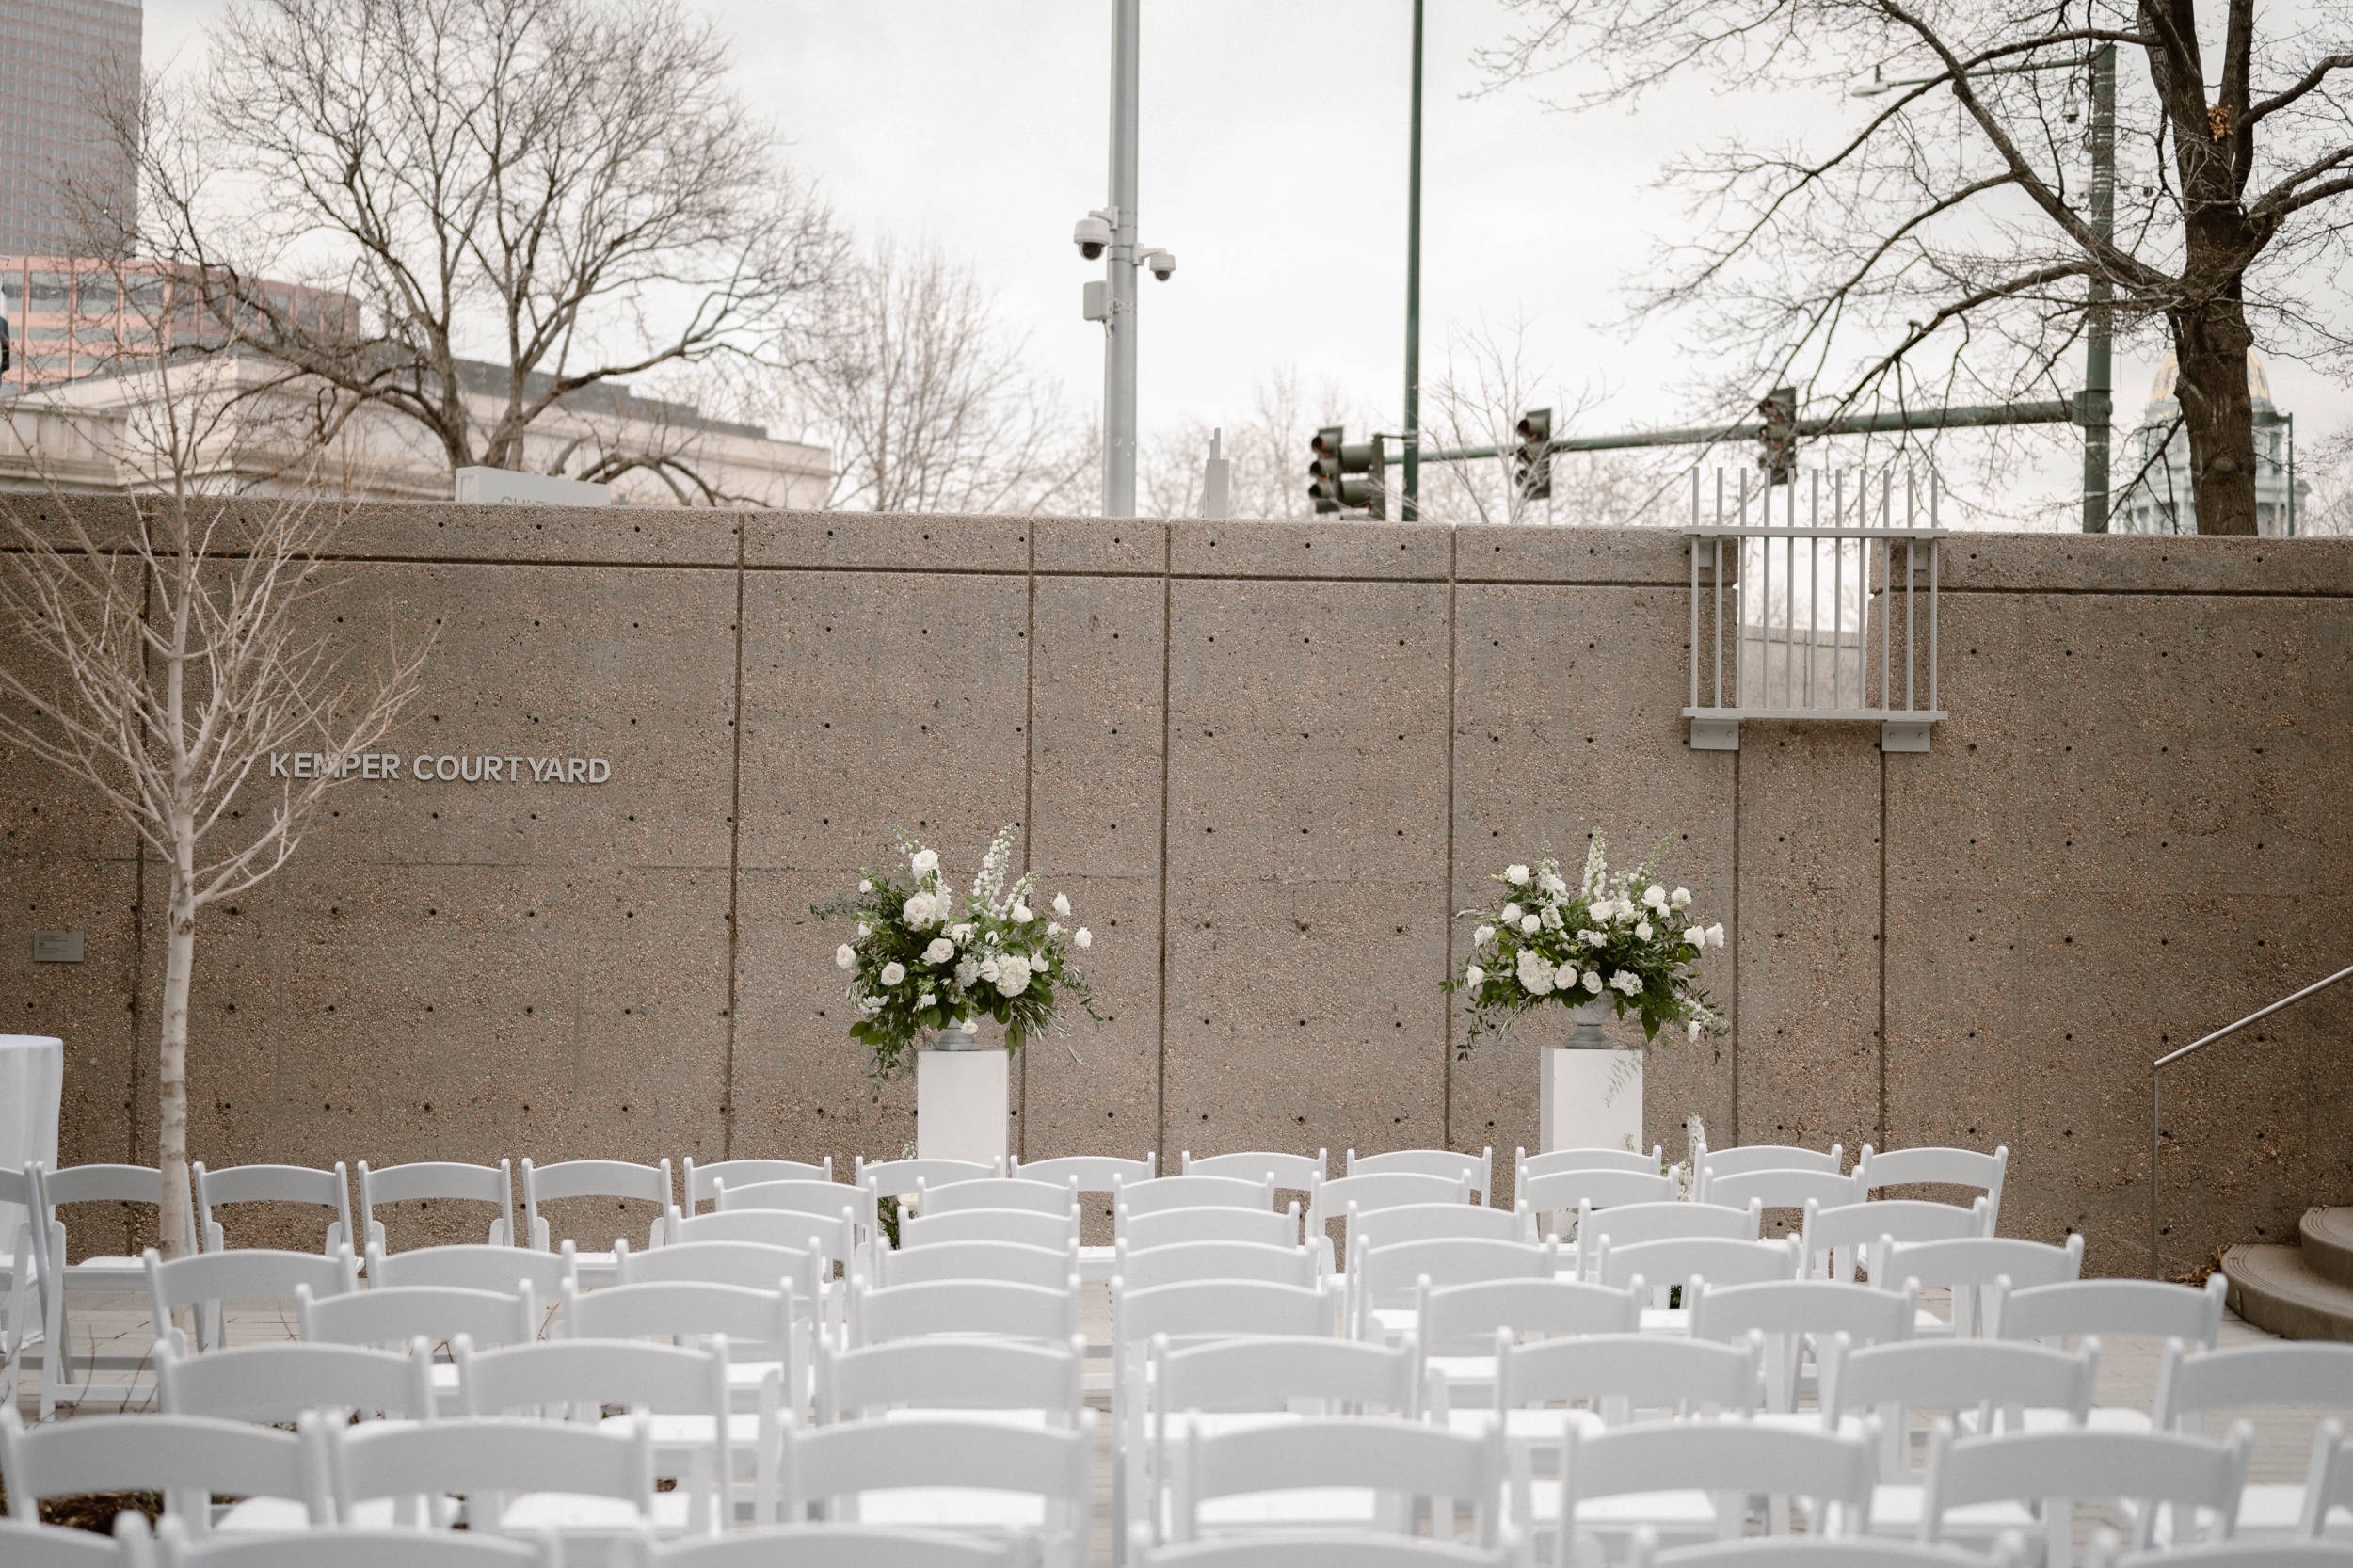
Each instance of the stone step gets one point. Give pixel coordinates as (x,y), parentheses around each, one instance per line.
(2276,1289)
(2329,1244)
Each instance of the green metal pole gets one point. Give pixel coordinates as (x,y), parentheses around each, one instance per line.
(2099,408)
(1412,511)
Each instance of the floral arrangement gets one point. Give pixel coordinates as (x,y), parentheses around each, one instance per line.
(1626,940)
(925,959)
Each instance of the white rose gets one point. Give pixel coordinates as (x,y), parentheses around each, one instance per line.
(1062,903)
(1680,897)
(1695,936)
(1053,928)
(1529,924)
(1716,935)
(1565,977)
(1013,975)
(1654,896)
(925,862)
(1021,915)
(864,885)
(1511,914)
(1536,974)
(864,930)
(916,910)
(1473,976)
(845,955)
(1516,876)
(941,951)
(926,999)
(1641,931)
(1483,935)
(893,972)
(1592,980)
(1592,938)
(1084,937)
(960,934)
(1603,909)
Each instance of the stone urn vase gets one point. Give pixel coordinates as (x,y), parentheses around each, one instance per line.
(1589,1093)
(963,1092)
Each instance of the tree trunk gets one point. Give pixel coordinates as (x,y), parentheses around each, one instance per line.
(2210,347)
(171,1152)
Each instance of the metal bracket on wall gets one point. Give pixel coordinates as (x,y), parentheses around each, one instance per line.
(1805,605)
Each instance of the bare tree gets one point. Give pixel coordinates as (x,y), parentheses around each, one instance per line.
(1485,384)
(564,187)
(1267,446)
(164,652)
(1948,243)
(926,401)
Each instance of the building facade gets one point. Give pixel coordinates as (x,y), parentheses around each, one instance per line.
(62,63)
(2153,461)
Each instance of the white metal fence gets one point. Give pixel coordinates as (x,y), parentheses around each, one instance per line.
(1815,600)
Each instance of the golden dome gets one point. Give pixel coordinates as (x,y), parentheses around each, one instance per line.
(2258,381)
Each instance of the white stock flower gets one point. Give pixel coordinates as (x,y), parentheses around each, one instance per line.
(916,910)
(1536,974)
(1511,914)
(1654,896)
(1516,876)
(845,955)
(967,970)
(1013,975)
(927,999)
(1483,935)
(1550,881)
(1592,938)
(1592,980)
(1551,917)
(1531,924)
(925,861)
(864,885)
(1716,935)
(1695,936)
(1062,903)
(1626,981)
(1691,1029)
(893,972)
(1473,976)
(941,951)
(1641,931)
(1680,897)
(1084,937)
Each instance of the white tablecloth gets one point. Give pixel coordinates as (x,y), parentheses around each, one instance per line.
(32,1080)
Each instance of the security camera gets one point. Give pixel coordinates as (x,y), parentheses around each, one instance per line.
(1092,236)
(1163,263)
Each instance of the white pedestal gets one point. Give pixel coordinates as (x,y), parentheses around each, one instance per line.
(1589,1099)
(962,1099)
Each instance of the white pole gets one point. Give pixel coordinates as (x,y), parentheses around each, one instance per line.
(1119,341)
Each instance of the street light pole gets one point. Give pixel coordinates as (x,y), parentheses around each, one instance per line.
(2099,408)
(1411,512)
(1119,336)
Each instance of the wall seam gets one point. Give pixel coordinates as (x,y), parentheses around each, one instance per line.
(1159,1068)
(1883,944)
(735,866)
(1446,896)
(1029,800)
(1739,939)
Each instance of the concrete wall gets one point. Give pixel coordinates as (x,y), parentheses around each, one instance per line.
(1266,760)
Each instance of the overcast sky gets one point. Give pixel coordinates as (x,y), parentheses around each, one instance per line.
(1273,137)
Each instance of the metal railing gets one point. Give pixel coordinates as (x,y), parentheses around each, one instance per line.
(1813,598)
(2156,1103)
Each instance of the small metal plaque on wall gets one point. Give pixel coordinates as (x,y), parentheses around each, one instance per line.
(57,947)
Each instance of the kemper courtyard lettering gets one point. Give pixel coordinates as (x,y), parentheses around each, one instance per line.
(426,768)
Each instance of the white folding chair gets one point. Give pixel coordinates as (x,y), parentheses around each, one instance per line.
(1982,1385)
(1056,1232)
(1146,1267)
(25,1543)
(472,1266)
(815,1545)
(437,1181)
(965,1373)
(1292,1173)
(683,1393)
(2313,1375)
(1795,1315)
(206,1280)
(1455,1327)
(856,1208)
(1673,1264)
(1430,1221)
(2327,1482)
(1938,1167)
(1836,1236)
(273,1384)
(1693,1480)
(1478,1169)
(1614,1377)
(1032,1484)
(756,1323)
(26,1282)
(1329,1201)
(295,1184)
(1574,1191)
(2055,1315)
(701,1182)
(1629,1223)
(1193,1192)
(962,1306)
(753,1265)
(347,1548)
(1382,1281)
(186,1458)
(1379,1468)
(1046,1268)
(1038,1196)
(896,1179)
(616,1179)
(1744,1158)
(1526,1165)
(2051,1471)
(563,1477)
(97,1274)
(1970,1268)
(1781,1189)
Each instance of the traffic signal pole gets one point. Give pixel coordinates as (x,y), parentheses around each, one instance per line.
(1977,416)
(1412,510)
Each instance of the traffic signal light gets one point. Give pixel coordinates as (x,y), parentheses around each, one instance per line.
(1532,460)
(1345,475)
(1779,439)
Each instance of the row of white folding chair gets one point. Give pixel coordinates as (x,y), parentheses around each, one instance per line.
(2195,1384)
(1384,1283)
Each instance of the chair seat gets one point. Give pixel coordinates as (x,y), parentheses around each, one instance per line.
(1666,1320)
(2273,1509)
(1321,1507)
(1682,1516)
(274,1516)
(1896,1511)
(566,1512)
(953,1507)
(1526,1426)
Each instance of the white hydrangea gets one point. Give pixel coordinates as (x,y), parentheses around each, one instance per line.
(893,972)
(925,861)
(845,956)
(967,970)
(1013,975)
(1626,981)
(939,952)
(1535,975)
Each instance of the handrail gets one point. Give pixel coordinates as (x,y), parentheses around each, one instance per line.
(2156,1141)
